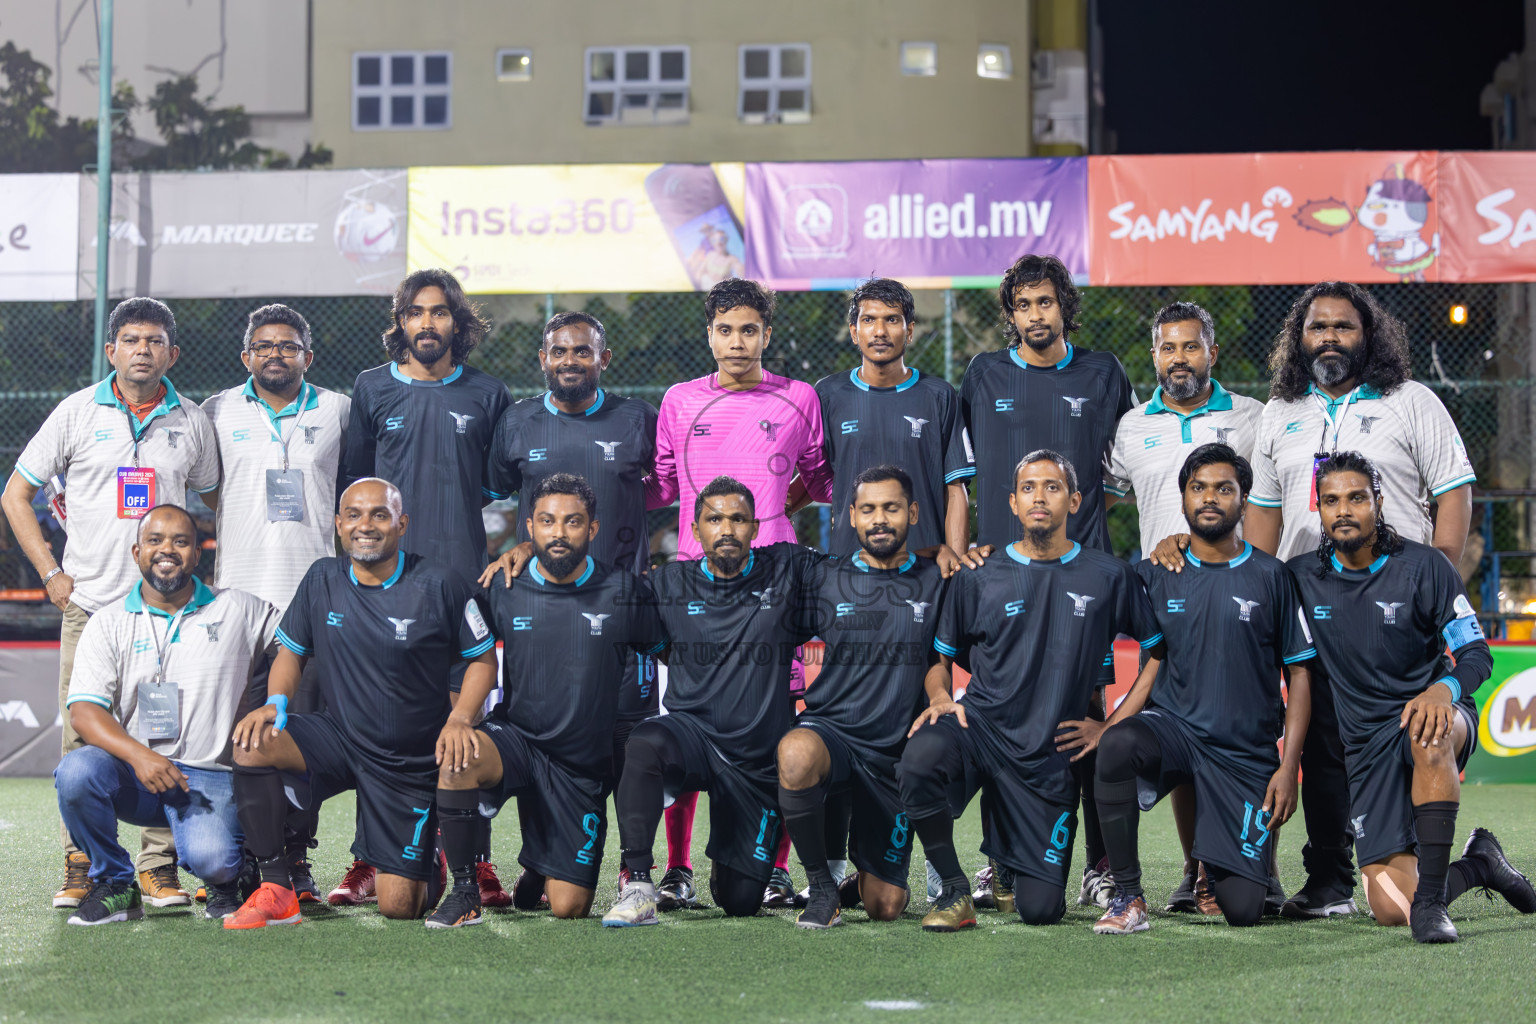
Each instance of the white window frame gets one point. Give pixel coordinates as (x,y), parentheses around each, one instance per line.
(774,84)
(418,90)
(517,76)
(652,88)
(1003,69)
(914,44)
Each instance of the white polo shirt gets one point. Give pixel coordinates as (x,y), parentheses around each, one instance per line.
(221,638)
(88,438)
(256,555)
(1151,443)
(1408,434)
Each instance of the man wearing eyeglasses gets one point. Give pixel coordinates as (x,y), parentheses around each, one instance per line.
(280,441)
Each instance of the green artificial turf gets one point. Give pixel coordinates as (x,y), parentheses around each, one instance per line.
(353,965)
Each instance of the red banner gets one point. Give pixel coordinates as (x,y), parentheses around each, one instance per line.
(1264,218)
(1489,216)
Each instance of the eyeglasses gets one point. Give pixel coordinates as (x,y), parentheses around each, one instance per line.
(286,349)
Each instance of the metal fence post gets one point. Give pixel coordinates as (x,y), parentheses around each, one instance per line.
(103,191)
(949,335)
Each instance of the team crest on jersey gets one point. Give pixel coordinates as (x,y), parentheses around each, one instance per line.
(917,425)
(309,434)
(1080,604)
(918,608)
(213,630)
(1365,422)
(770,428)
(608,449)
(1223,434)
(1389,612)
(460,421)
(1245,609)
(171,436)
(764,598)
(401,625)
(595,621)
(1076,404)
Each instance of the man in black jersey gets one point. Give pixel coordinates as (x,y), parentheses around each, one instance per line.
(1231,625)
(877,612)
(424,421)
(1036,626)
(733,620)
(1384,613)
(1041,391)
(387,628)
(550,742)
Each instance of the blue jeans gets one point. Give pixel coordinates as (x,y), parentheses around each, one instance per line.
(96,791)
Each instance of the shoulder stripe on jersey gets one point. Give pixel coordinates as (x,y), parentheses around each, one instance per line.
(1310,652)
(1152,641)
(293,645)
(657,649)
(90,698)
(959,474)
(480,648)
(1117,492)
(1459,481)
(34,481)
(944,648)
(1263,502)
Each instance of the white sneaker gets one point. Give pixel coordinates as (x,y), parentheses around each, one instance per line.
(636,906)
(935,883)
(1098,886)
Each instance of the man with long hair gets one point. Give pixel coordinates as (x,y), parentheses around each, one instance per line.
(1384,613)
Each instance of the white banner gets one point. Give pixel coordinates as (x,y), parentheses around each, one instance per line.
(39,232)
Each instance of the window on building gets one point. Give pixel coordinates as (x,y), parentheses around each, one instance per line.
(994,60)
(402,91)
(514,65)
(636,85)
(775,84)
(920,58)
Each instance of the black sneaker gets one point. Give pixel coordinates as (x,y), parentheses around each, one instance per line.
(821,910)
(459,909)
(1274,898)
(1182,899)
(528,891)
(301,874)
(1503,878)
(110,902)
(780,890)
(1431,922)
(223,900)
(675,891)
(848,891)
(1318,901)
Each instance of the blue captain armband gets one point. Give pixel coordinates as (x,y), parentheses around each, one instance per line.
(1462,631)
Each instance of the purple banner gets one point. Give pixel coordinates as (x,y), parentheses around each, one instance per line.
(930,223)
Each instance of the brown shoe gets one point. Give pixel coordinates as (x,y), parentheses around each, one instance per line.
(1205,896)
(77,880)
(162,887)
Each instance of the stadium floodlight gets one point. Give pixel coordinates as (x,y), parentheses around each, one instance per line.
(994,60)
(1459,314)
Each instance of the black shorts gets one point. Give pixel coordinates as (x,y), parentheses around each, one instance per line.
(744,820)
(1381,790)
(396,811)
(563,814)
(1025,832)
(879,831)
(1231,829)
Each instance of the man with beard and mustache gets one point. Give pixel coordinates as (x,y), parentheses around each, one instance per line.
(1231,625)
(877,612)
(1401,649)
(733,620)
(158,683)
(1035,628)
(125,445)
(1341,377)
(571,626)
(280,443)
(424,422)
(387,629)
(1042,392)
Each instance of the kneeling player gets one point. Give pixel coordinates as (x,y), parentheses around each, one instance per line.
(1231,624)
(1384,611)
(387,628)
(1038,626)
(877,613)
(550,742)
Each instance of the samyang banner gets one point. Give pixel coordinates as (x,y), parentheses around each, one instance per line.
(226,234)
(1489,216)
(929,223)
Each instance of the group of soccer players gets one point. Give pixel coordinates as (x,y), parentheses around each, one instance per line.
(1363,641)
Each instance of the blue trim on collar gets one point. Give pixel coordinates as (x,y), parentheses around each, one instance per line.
(539,577)
(1064,559)
(1189,556)
(308,398)
(863,566)
(394,369)
(105,396)
(1013,350)
(1362,393)
(201,596)
(911,380)
(550,405)
(399,571)
(1373,568)
(1220,401)
(746,569)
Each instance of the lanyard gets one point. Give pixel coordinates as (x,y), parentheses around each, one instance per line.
(136,432)
(277,430)
(162,649)
(1335,420)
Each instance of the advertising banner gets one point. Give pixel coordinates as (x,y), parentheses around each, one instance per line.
(30,727)
(39,230)
(1264,218)
(216,235)
(1488,214)
(601,228)
(1506,730)
(929,223)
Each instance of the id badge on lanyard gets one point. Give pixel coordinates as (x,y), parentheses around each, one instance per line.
(285,487)
(160,701)
(135,484)
(1335,421)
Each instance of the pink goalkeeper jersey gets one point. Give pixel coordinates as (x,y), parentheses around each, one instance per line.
(759,437)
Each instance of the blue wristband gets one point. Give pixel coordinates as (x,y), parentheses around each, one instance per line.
(281,703)
(1451,684)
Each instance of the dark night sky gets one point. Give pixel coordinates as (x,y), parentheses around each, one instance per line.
(1187,77)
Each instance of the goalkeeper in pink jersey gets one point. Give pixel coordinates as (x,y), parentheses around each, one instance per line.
(760,428)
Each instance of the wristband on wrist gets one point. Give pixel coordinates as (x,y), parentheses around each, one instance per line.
(51,573)
(1452,685)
